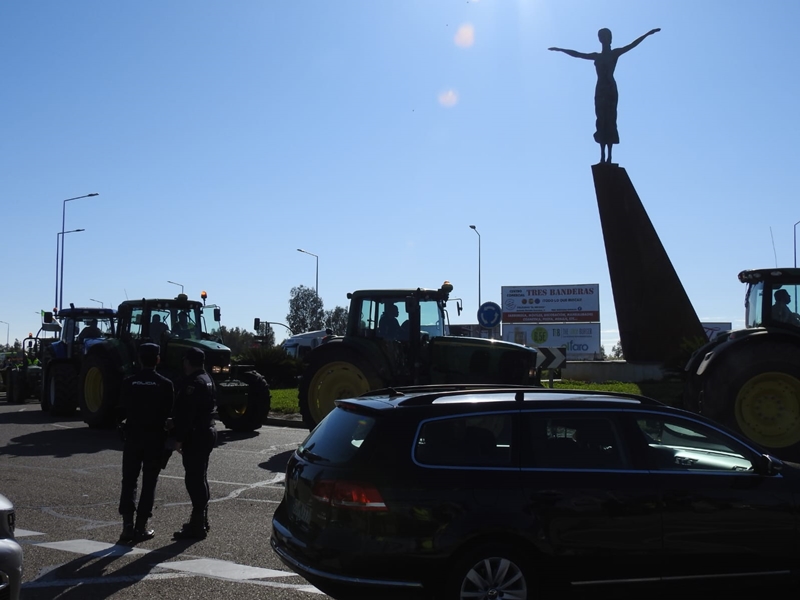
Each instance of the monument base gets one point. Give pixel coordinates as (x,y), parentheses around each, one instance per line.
(657,322)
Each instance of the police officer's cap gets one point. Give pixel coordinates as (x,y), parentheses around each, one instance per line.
(195,356)
(149,350)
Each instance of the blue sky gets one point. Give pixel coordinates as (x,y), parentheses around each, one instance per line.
(222,136)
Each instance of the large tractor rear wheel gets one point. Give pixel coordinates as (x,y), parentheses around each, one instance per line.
(99,392)
(60,390)
(249,414)
(330,378)
(19,387)
(756,390)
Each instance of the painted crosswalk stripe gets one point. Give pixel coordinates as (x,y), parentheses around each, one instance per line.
(92,548)
(223,568)
(25,533)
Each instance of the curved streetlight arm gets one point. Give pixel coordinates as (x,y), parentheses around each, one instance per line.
(7,328)
(99,302)
(173,283)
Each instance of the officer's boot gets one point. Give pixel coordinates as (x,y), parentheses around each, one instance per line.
(193,530)
(127,534)
(206,524)
(141,532)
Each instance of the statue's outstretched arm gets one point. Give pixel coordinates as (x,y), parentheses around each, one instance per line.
(575,53)
(636,42)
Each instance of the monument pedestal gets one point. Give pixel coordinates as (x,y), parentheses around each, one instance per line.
(657,322)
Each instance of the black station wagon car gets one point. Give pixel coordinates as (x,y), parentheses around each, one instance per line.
(467,492)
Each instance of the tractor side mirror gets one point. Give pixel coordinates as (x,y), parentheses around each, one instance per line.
(257,324)
(48,317)
(217,314)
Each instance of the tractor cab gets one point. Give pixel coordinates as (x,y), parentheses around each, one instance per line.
(772,298)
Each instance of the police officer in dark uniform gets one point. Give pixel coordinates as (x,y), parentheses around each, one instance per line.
(147,400)
(195,437)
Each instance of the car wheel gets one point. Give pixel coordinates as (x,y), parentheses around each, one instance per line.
(489,572)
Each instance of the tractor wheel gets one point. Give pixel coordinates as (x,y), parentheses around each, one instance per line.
(19,388)
(44,400)
(60,390)
(756,390)
(99,392)
(327,379)
(250,414)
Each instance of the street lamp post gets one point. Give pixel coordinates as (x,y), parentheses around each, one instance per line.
(316,284)
(173,283)
(475,229)
(59,235)
(63,219)
(7,328)
(99,302)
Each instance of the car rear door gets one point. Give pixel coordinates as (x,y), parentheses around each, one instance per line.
(593,511)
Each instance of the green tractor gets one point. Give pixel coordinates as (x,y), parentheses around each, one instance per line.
(749,379)
(401,337)
(24,378)
(242,394)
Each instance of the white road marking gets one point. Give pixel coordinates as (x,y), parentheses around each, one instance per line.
(222,568)
(25,533)
(206,567)
(92,548)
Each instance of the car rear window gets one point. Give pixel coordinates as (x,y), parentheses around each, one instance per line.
(338,437)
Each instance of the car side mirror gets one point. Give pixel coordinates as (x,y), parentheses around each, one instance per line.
(768,465)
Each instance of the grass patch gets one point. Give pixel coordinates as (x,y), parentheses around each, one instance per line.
(284,401)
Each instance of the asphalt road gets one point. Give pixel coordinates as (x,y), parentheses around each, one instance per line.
(64,479)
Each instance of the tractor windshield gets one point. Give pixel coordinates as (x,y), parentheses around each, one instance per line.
(783,306)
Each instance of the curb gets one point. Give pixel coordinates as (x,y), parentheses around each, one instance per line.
(280,420)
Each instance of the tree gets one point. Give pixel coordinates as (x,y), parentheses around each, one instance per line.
(336,320)
(305,310)
(616,352)
(238,340)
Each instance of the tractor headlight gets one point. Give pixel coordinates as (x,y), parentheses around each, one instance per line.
(216,369)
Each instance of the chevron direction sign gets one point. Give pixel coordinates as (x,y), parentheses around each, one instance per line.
(551,358)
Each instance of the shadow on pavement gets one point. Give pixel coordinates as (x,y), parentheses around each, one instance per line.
(97,566)
(61,443)
(277,463)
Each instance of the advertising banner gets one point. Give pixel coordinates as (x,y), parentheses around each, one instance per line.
(582,341)
(551,303)
(712,329)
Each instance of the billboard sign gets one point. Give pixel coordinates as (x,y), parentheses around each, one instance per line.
(551,303)
(582,340)
(712,329)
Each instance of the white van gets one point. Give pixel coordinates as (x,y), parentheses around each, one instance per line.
(301,344)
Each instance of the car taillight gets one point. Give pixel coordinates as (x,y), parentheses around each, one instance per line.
(349,494)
